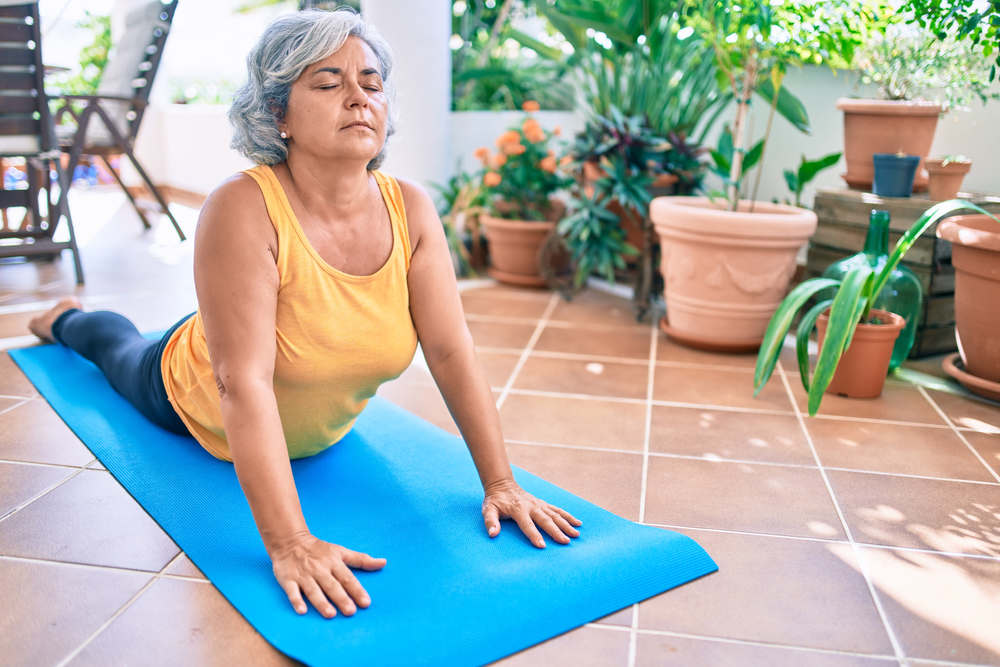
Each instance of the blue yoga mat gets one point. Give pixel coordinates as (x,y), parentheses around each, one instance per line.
(397,487)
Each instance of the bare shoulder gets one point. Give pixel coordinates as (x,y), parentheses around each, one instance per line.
(236,204)
(420,211)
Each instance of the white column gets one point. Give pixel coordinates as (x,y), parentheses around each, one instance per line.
(418,33)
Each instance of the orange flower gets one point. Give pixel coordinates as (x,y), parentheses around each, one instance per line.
(514,149)
(509,137)
(535,136)
(531,125)
(530,105)
(566,159)
(557,130)
(482,154)
(548,164)
(491,179)
(498,161)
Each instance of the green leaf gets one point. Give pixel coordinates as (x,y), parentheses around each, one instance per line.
(753,156)
(809,168)
(789,107)
(535,45)
(780,322)
(806,326)
(792,180)
(843,321)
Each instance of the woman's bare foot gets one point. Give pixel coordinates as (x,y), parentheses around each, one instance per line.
(41,326)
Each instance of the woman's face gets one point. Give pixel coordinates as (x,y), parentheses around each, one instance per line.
(337,108)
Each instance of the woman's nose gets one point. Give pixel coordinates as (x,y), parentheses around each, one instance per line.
(355,95)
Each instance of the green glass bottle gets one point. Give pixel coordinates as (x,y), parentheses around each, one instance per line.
(902,293)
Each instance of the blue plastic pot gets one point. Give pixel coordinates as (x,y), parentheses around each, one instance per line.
(894,174)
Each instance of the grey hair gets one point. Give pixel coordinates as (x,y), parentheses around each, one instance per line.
(289,45)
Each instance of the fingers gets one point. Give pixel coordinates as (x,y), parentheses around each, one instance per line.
(362,561)
(315,595)
(545,520)
(562,523)
(351,585)
(292,591)
(492,519)
(334,590)
(523,519)
(566,515)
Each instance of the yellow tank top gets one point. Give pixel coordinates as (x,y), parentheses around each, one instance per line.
(339,336)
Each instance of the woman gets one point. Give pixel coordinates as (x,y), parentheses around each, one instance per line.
(316,275)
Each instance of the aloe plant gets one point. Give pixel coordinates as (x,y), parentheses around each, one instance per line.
(850,305)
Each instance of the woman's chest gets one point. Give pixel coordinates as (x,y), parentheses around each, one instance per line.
(358,248)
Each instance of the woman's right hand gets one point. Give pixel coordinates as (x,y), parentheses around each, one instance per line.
(321,571)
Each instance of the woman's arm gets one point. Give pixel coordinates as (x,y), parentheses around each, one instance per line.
(236,278)
(439,319)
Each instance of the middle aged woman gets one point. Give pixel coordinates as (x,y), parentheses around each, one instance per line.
(316,275)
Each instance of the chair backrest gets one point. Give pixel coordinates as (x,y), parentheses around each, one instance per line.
(131,67)
(25,123)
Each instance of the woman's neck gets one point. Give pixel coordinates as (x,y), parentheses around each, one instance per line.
(331,189)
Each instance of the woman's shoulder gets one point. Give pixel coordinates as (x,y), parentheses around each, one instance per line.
(420,209)
(237,202)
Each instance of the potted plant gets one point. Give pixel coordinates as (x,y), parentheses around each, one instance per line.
(894,174)
(850,325)
(975,253)
(945,176)
(520,180)
(460,205)
(726,264)
(919,75)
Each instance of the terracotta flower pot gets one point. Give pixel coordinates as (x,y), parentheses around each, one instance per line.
(865,363)
(629,221)
(975,253)
(945,180)
(515,244)
(726,271)
(884,126)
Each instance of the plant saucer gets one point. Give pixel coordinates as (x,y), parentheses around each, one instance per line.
(952,365)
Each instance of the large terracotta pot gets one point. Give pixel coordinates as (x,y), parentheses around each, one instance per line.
(945,180)
(885,126)
(515,245)
(865,363)
(726,271)
(629,221)
(975,254)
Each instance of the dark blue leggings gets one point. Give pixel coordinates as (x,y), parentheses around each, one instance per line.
(130,362)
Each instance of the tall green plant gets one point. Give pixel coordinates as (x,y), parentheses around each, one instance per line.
(853,298)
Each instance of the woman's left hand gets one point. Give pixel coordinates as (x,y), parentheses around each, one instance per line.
(507,500)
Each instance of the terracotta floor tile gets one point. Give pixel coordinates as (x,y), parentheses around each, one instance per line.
(732,435)
(666,651)
(593,306)
(34,432)
(500,334)
(497,366)
(740,496)
(898,402)
(941,607)
(89,519)
(7,403)
(988,446)
(16,324)
(50,609)
(670,351)
(21,483)
(511,291)
(971,413)
(715,386)
(184,567)
(573,421)
(476,303)
(620,617)
(911,450)
(606,479)
(958,517)
(583,646)
(579,376)
(12,380)
(928,365)
(96,465)
(194,625)
(773,590)
(628,343)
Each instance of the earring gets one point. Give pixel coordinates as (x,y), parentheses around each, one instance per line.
(284,135)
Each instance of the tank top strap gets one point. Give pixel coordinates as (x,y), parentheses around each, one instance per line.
(397,211)
(274,196)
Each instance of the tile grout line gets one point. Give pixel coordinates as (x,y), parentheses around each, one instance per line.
(121,610)
(893,640)
(105,568)
(40,495)
(16,405)
(801,538)
(535,335)
(947,420)
(749,642)
(644,479)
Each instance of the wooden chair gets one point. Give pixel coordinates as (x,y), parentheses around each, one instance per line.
(26,131)
(109,121)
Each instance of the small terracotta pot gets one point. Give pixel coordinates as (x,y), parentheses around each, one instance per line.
(865,363)
(515,244)
(945,180)
(884,126)
(975,254)
(726,272)
(630,223)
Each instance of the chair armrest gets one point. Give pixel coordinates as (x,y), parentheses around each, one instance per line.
(137,101)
